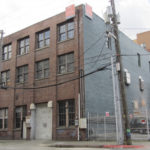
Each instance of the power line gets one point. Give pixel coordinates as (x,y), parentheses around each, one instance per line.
(85,50)
(99,54)
(52,85)
(135,28)
(134,55)
(95,61)
(64,76)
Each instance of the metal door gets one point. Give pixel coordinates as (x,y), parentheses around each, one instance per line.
(43,120)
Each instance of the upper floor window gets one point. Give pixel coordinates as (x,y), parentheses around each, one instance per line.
(22,74)
(4,118)
(66,63)
(20,114)
(66,31)
(143,45)
(23,46)
(43,38)
(6,53)
(5,77)
(149,65)
(139,59)
(42,69)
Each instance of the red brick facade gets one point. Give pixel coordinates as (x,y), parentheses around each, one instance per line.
(12,97)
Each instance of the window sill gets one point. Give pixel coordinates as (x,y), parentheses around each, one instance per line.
(39,49)
(17,129)
(65,40)
(66,128)
(41,79)
(65,73)
(21,83)
(22,54)
(3,130)
(6,60)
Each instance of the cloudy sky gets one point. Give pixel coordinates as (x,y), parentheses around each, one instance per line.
(18,14)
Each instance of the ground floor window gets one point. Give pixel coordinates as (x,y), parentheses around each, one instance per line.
(4,118)
(66,113)
(20,114)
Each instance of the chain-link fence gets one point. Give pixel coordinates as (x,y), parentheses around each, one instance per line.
(101,127)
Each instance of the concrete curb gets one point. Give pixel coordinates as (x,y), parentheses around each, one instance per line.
(94,146)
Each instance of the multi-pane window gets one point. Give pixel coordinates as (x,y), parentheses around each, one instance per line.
(66,31)
(23,46)
(43,39)
(66,113)
(22,74)
(20,114)
(6,53)
(71,112)
(42,69)
(62,113)
(4,118)
(5,77)
(66,63)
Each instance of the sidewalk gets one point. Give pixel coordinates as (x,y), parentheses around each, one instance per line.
(73,144)
(93,144)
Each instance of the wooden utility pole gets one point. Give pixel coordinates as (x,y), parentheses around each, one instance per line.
(125,121)
(1,48)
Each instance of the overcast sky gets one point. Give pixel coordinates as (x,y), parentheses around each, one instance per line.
(18,14)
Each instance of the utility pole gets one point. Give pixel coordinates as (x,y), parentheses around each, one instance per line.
(1,40)
(1,47)
(127,137)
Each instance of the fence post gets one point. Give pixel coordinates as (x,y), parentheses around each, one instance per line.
(88,125)
(105,127)
(147,122)
(97,127)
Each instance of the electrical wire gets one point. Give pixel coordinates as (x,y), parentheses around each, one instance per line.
(99,54)
(133,55)
(52,85)
(65,76)
(85,51)
(134,28)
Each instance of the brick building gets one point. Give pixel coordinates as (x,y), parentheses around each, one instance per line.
(45,53)
(40,69)
(143,40)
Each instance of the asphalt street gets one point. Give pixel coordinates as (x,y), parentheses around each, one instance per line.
(40,145)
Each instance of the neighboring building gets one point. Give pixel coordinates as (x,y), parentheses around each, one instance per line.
(38,59)
(143,39)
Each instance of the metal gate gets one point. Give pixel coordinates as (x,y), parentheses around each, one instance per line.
(101,127)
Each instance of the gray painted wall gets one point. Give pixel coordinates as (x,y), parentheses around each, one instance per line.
(98,86)
(133,91)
